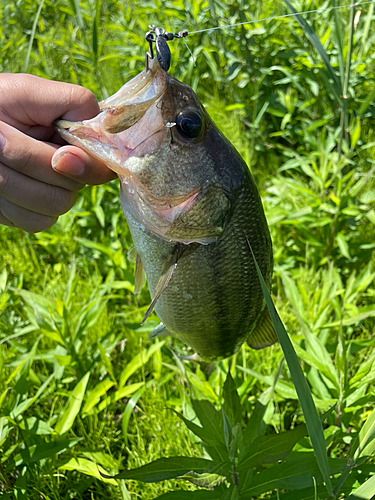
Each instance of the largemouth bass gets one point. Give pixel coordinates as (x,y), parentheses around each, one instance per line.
(190,202)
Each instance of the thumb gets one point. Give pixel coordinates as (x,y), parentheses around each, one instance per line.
(74,163)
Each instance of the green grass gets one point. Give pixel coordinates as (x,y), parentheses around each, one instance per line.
(67,311)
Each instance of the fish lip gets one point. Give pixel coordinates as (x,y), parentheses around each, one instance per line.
(64,124)
(126,107)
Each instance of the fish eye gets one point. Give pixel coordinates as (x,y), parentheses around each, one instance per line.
(189,124)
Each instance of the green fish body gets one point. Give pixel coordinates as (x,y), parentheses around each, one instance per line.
(192,208)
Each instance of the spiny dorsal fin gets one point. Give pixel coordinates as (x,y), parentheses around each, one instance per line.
(264,334)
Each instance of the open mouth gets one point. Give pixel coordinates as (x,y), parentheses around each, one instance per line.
(126,122)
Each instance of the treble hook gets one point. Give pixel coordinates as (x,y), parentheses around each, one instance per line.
(160,37)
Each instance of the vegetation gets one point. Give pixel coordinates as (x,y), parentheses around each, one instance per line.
(86,400)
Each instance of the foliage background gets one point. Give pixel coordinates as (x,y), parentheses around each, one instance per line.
(78,377)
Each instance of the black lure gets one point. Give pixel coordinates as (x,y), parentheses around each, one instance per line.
(160,37)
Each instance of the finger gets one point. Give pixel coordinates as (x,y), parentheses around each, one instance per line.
(76,164)
(34,195)
(13,215)
(32,101)
(32,158)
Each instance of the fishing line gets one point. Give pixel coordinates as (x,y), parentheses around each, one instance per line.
(357,4)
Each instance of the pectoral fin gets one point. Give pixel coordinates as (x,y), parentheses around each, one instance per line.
(164,280)
(264,334)
(132,254)
(139,276)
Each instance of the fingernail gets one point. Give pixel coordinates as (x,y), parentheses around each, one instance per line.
(68,163)
(3,141)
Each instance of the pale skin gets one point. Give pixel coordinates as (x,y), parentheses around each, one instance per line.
(40,176)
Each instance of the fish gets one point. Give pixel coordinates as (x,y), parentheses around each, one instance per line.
(191,204)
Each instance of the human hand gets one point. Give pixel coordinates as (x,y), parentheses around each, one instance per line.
(39,180)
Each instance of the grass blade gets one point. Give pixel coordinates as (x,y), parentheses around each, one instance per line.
(166,468)
(365,491)
(364,444)
(316,43)
(74,405)
(313,423)
(95,32)
(77,11)
(340,42)
(32,36)
(365,35)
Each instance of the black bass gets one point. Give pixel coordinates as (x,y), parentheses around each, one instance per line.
(190,202)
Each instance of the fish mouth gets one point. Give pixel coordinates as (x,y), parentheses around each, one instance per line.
(129,122)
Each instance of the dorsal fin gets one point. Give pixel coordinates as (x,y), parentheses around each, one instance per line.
(264,333)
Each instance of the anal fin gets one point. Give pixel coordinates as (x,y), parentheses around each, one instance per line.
(264,334)
(159,331)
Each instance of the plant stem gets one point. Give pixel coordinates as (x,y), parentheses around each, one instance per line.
(235,476)
(343,478)
(344,119)
(5,477)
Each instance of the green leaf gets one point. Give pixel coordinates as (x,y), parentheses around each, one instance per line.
(366,103)
(235,493)
(227,429)
(292,474)
(95,33)
(25,405)
(77,11)
(206,480)
(130,405)
(211,421)
(166,468)
(74,405)
(256,425)
(124,392)
(313,423)
(191,495)
(232,403)
(365,492)
(35,426)
(316,43)
(196,429)
(343,245)
(356,132)
(4,429)
(38,452)
(32,35)
(203,386)
(107,362)
(268,449)
(364,443)
(138,361)
(88,467)
(94,396)
(216,449)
